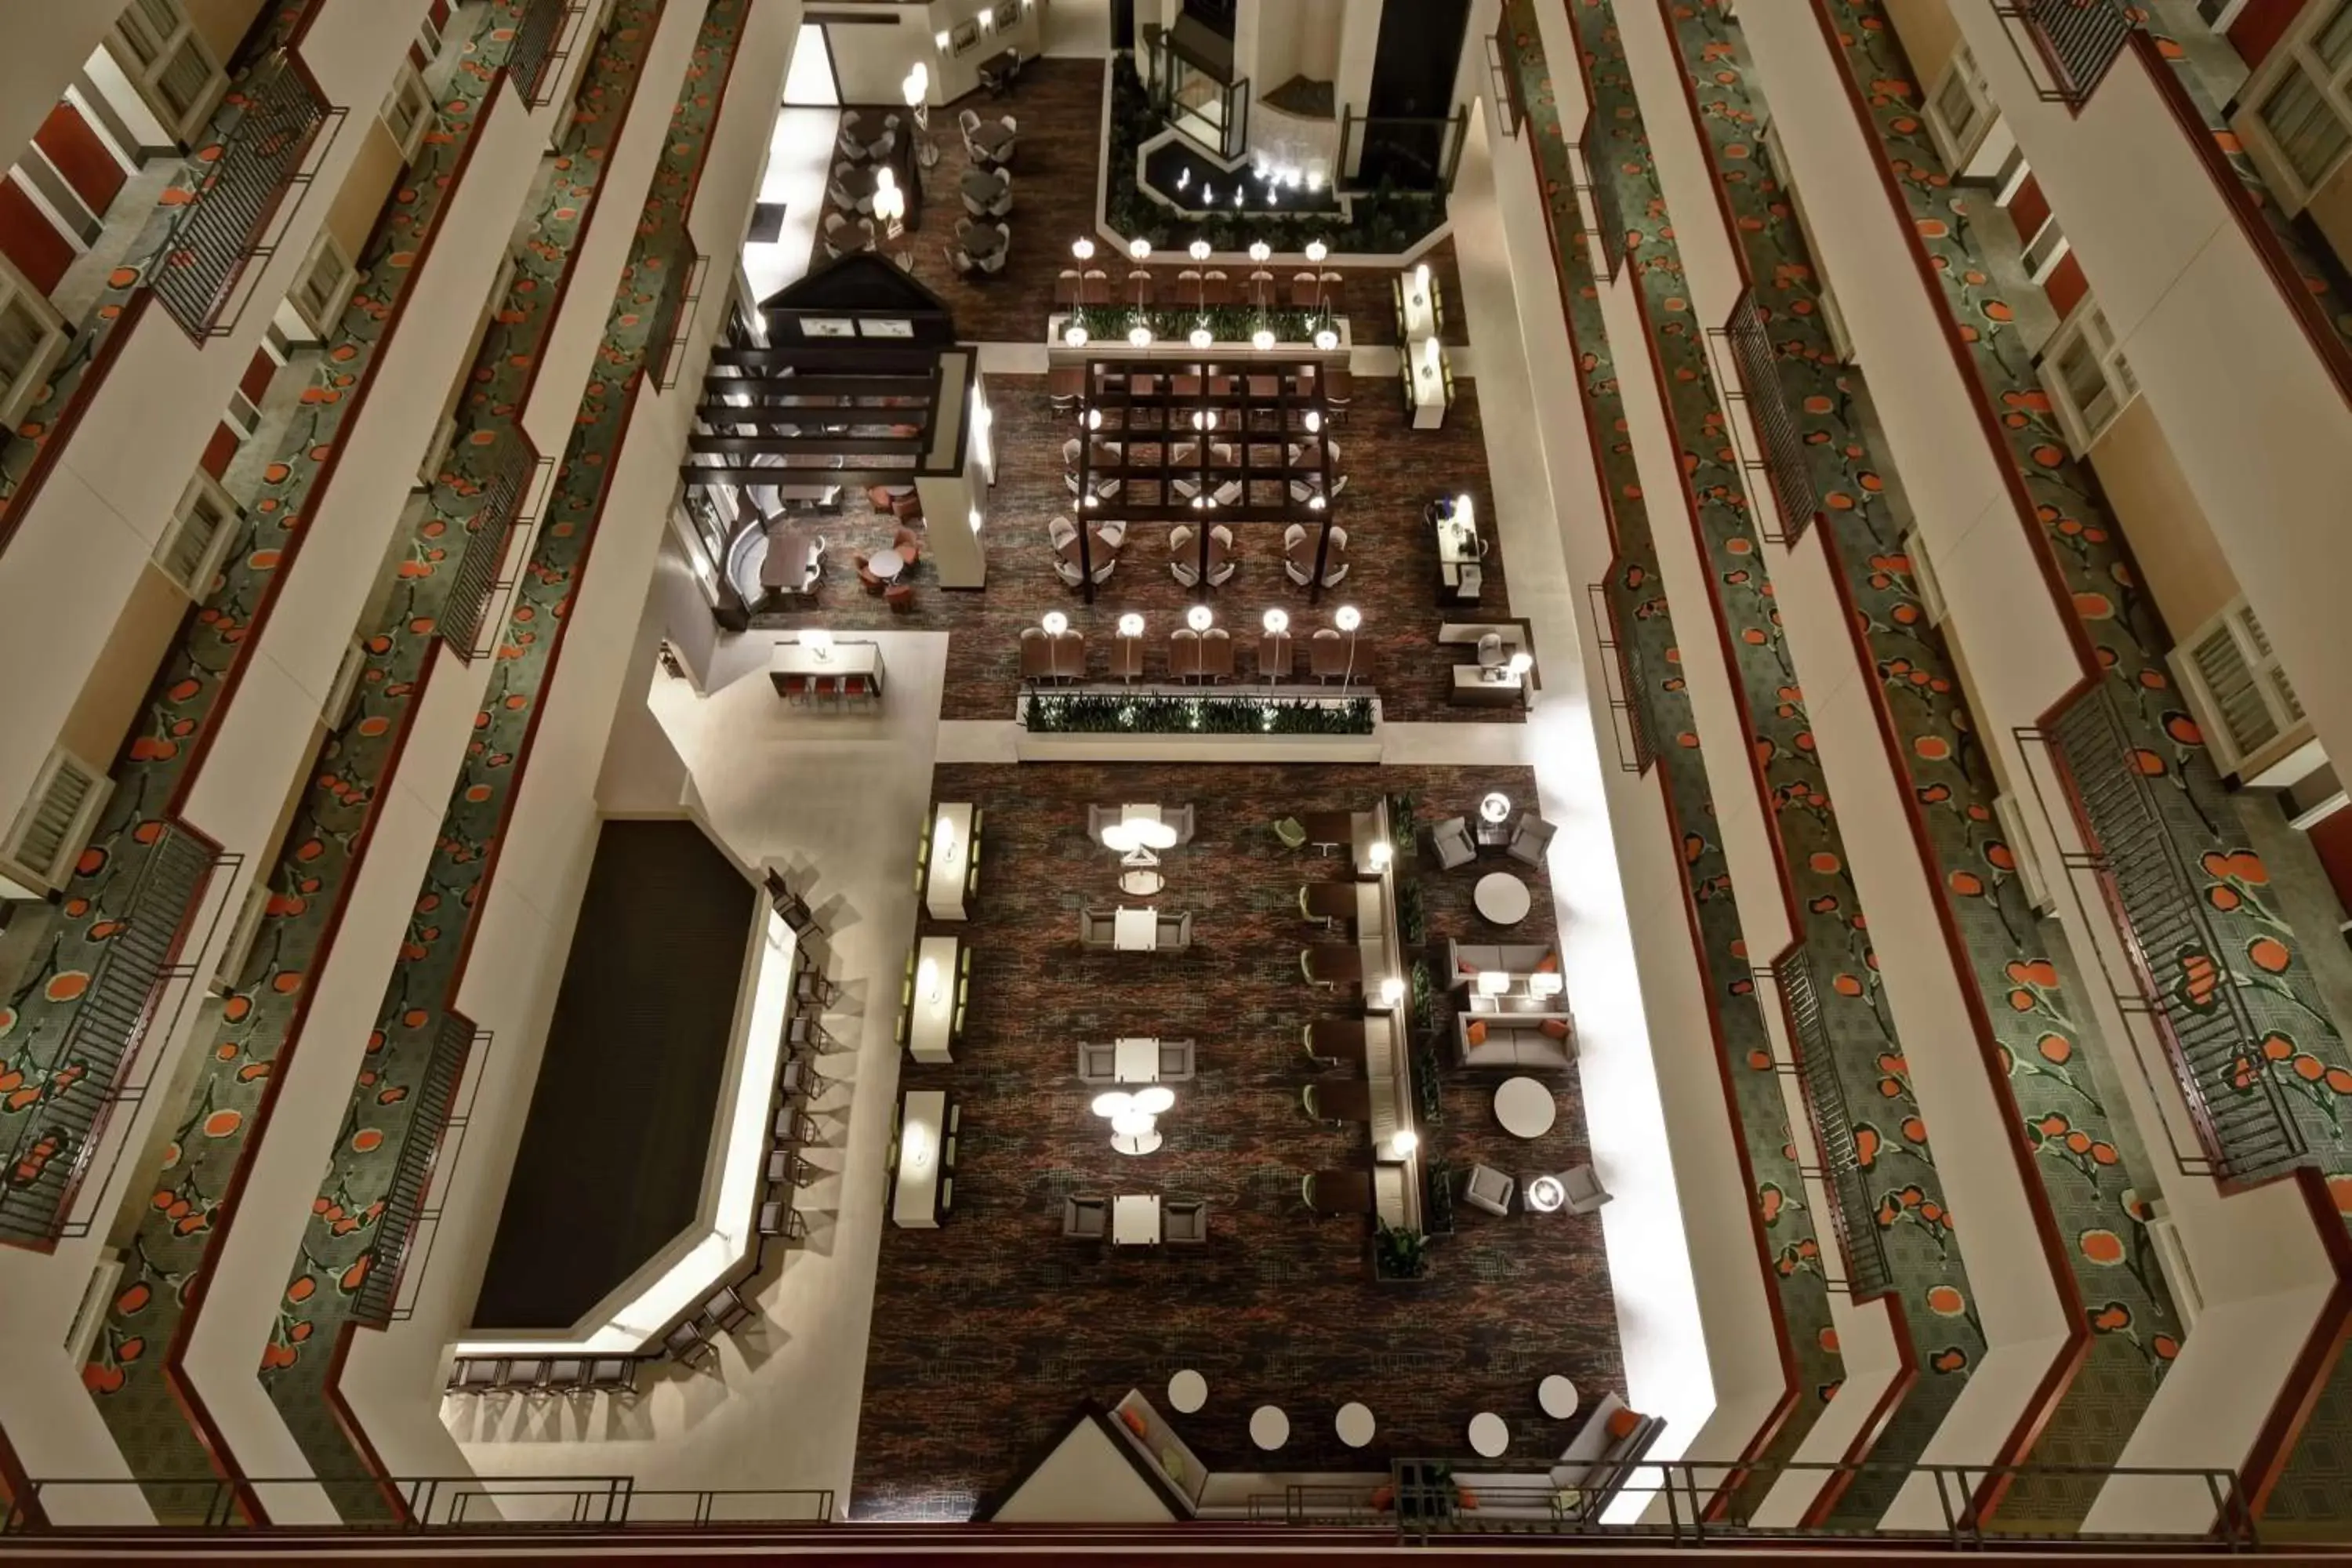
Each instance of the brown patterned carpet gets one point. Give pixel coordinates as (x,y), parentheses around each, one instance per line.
(1057,168)
(1394,472)
(989,1332)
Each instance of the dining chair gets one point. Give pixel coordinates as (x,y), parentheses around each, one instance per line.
(778,1218)
(794,1127)
(615,1374)
(727,1310)
(685,1344)
(1307,968)
(1291,832)
(787,1169)
(476,1375)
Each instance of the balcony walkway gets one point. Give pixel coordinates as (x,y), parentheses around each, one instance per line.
(133,1370)
(2081,1172)
(1791,1254)
(1891,1167)
(302,1364)
(2253,950)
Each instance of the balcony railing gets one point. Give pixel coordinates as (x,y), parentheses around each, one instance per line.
(62,1132)
(2244,1121)
(1622,660)
(1851,1210)
(534,52)
(1502,77)
(465,614)
(438,1505)
(412,1174)
(2076,41)
(1756,367)
(219,234)
(1589,181)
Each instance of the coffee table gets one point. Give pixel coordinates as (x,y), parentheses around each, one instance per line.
(1557,1395)
(1269,1428)
(1186,1392)
(1525,1107)
(1502,897)
(1488,1435)
(1355,1423)
(1141,884)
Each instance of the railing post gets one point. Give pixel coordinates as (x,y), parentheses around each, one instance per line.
(1824,1095)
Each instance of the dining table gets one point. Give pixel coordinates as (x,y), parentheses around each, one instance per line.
(1330,900)
(1334,963)
(994,140)
(1332,657)
(1343,1098)
(915,1196)
(983,241)
(1343,1192)
(983,186)
(1337,1039)
(790,565)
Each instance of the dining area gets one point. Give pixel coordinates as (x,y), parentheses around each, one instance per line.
(1201,652)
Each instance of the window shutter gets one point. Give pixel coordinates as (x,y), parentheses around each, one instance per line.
(190,551)
(49,832)
(2247,701)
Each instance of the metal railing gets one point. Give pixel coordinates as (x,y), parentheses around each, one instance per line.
(1851,1211)
(532,53)
(468,1505)
(1607,222)
(1689,1503)
(62,1130)
(464,615)
(436,1104)
(1756,367)
(674,320)
(1424,139)
(218,236)
(2076,41)
(1503,76)
(1622,661)
(2244,1121)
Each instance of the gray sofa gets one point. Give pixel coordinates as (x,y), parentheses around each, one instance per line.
(1596,1465)
(1463,960)
(1515,1041)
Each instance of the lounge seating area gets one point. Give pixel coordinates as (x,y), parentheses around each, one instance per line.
(1183,1151)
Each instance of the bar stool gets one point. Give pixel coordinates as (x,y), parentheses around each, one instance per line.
(813,989)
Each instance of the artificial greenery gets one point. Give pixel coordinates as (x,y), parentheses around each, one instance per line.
(1173,323)
(1426,1089)
(1437,1197)
(1384,220)
(1119,713)
(1400,1253)
(1424,999)
(1411,916)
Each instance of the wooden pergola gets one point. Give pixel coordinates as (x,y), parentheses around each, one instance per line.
(1239,418)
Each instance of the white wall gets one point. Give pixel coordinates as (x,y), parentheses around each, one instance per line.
(79,548)
(41,46)
(2259,429)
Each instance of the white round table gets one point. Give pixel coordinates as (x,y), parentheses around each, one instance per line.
(1141,884)
(1355,1423)
(1145,1144)
(1525,1107)
(1488,1436)
(1269,1428)
(1556,1393)
(885,563)
(1502,897)
(1188,1390)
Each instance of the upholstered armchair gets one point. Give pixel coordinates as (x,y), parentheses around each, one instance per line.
(1451,841)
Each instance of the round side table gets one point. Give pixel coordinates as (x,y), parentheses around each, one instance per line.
(1557,1395)
(1188,1390)
(1525,1107)
(1488,1435)
(1141,884)
(1502,897)
(1269,1428)
(1355,1423)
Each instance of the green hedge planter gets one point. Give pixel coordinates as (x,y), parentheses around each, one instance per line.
(1116,713)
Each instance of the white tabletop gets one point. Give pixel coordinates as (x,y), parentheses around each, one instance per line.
(1525,1107)
(1186,1392)
(1501,898)
(1135,1220)
(1457,540)
(927,1029)
(1355,1424)
(1135,1059)
(885,563)
(1557,1395)
(1269,1428)
(1136,931)
(1488,1435)
(841,659)
(915,1204)
(950,860)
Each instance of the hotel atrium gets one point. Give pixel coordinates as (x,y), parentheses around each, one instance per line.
(1715,918)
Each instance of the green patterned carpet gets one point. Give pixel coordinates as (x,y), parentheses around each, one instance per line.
(1790,1250)
(2255,950)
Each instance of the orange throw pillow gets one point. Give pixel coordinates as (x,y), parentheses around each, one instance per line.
(1465,1498)
(1477,1033)
(1135,1422)
(1622,1422)
(1550,966)
(1383,1498)
(1556,1027)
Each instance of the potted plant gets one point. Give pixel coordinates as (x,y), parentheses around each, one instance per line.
(1424,1001)
(1400,1252)
(1437,1200)
(1428,1094)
